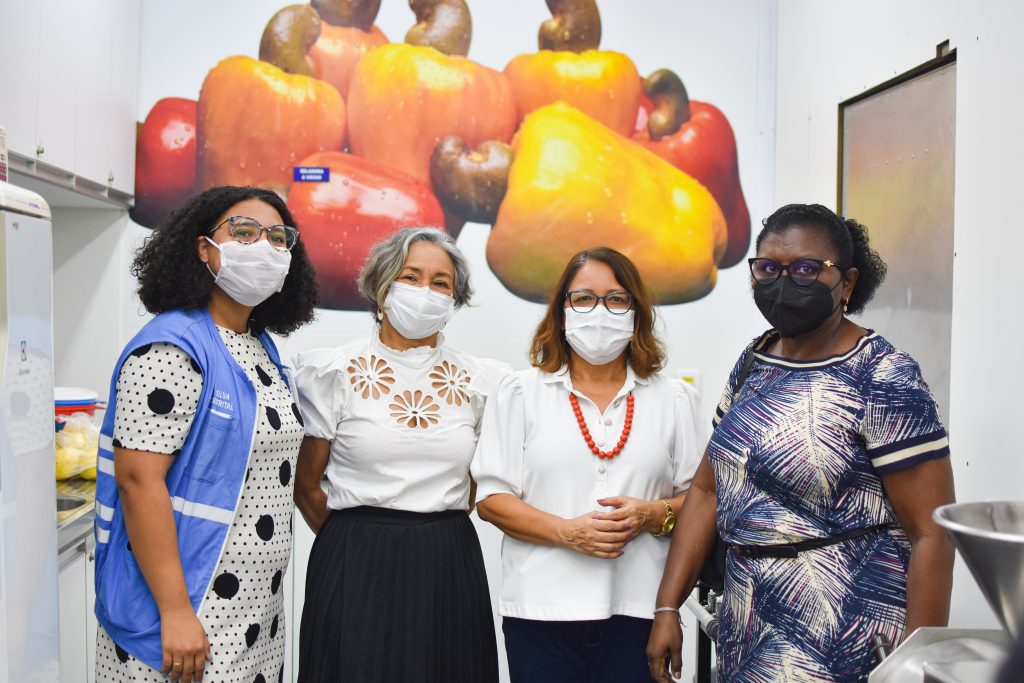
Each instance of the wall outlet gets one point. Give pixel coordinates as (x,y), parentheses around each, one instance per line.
(691,376)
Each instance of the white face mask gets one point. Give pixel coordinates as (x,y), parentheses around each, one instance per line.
(417,312)
(250,273)
(599,337)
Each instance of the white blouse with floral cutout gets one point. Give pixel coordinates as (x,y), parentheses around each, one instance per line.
(403,426)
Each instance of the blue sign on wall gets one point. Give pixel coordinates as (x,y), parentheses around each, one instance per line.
(311,174)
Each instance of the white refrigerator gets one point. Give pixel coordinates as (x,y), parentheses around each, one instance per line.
(29,633)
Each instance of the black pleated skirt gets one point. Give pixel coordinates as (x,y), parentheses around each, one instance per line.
(397,596)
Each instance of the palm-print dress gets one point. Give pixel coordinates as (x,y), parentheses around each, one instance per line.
(798,454)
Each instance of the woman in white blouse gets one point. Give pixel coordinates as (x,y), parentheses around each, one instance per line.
(583,462)
(395,588)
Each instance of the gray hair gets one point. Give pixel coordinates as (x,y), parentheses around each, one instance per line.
(387,258)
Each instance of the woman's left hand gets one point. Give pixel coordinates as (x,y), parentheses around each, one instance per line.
(641,515)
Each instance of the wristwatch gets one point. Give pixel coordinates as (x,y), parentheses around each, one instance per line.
(670,520)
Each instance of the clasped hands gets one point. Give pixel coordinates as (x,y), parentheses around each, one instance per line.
(605,534)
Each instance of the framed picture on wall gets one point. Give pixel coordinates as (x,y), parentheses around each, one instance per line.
(897,144)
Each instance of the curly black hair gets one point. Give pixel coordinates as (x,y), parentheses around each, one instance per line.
(171,276)
(849,238)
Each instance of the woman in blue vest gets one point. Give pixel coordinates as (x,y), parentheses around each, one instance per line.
(194,486)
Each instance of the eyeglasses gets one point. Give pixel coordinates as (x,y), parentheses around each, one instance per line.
(803,272)
(248,230)
(584,301)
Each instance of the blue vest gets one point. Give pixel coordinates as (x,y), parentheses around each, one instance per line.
(205,483)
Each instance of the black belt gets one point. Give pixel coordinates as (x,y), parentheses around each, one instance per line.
(793,549)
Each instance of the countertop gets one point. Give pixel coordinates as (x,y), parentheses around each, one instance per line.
(74,526)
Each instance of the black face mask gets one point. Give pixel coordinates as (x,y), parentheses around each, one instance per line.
(793,309)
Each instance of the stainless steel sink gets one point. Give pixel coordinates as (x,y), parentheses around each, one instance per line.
(66,502)
(75,516)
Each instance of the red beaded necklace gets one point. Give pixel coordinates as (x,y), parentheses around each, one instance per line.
(586,432)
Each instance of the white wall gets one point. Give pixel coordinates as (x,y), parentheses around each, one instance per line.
(95,309)
(831,51)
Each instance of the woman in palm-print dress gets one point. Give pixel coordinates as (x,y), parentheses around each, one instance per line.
(827,460)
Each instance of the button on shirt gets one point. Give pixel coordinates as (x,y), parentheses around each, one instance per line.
(403,425)
(531,447)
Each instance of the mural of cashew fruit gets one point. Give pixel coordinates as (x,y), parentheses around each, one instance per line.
(565,148)
(342,218)
(604,190)
(696,138)
(165,160)
(307,56)
(404,98)
(570,68)
(296,114)
(347,33)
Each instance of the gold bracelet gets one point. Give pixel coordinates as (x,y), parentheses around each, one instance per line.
(670,519)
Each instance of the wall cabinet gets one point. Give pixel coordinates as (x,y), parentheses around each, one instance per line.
(70,86)
(19,78)
(90,617)
(77,622)
(108,77)
(55,105)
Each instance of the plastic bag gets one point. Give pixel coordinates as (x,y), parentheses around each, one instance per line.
(77,445)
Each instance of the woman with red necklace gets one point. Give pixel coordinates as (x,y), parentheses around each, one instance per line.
(583,462)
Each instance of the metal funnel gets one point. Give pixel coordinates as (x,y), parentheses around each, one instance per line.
(990,537)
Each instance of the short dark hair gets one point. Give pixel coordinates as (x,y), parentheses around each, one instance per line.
(171,276)
(549,350)
(848,237)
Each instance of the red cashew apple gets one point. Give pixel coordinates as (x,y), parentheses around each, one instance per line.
(696,138)
(339,220)
(165,160)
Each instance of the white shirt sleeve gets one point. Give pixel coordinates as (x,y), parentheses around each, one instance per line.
(498,463)
(487,377)
(690,437)
(320,391)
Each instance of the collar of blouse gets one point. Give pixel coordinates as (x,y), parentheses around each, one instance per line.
(416,357)
(563,377)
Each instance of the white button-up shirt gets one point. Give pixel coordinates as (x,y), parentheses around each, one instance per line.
(402,424)
(531,447)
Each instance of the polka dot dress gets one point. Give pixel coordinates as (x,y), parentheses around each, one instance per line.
(243,611)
